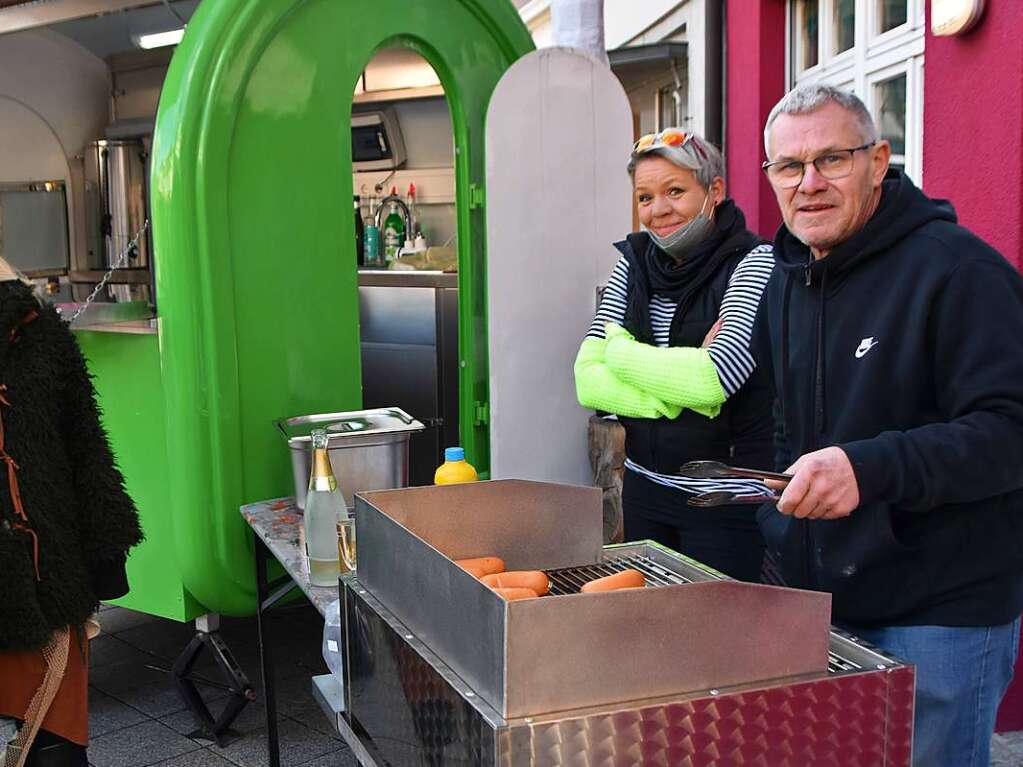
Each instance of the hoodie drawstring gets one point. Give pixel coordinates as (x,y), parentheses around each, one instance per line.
(820,412)
(785,347)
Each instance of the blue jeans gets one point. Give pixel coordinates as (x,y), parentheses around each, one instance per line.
(961,675)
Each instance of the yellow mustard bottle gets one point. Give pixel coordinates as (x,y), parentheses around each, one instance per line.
(455,468)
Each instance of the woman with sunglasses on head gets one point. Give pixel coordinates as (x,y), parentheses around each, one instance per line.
(668,353)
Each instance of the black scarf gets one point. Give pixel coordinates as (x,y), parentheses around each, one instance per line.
(657,273)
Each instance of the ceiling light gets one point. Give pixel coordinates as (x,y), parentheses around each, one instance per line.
(160,39)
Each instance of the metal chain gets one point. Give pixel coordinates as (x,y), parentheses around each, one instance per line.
(121,261)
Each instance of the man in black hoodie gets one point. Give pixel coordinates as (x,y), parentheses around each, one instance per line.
(895,341)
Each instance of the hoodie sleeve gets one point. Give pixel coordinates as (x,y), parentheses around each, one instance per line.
(976,332)
(110,522)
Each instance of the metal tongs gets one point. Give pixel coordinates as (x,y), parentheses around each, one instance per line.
(718,470)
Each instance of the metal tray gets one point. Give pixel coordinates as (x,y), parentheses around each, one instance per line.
(369,449)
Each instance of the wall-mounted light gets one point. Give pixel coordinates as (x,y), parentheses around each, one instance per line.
(955,17)
(160,39)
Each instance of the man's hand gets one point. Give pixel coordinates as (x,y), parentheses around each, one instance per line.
(712,334)
(823,486)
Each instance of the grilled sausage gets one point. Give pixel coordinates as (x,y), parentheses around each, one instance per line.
(626,579)
(475,572)
(487,564)
(513,594)
(526,579)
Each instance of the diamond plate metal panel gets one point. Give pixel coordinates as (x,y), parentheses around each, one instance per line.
(842,721)
(409,713)
(412,710)
(901,697)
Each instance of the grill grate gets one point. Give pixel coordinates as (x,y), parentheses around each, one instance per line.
(570,579)
(839,665)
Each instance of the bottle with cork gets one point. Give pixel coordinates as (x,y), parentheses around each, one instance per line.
(324,510)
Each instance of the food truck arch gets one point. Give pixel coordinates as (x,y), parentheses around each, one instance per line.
(254,242)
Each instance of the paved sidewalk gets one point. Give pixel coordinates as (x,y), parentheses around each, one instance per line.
(137,719)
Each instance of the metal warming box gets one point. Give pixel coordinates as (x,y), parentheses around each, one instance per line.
(369,449)
(696,669)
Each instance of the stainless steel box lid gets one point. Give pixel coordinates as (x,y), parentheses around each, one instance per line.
(352,428)
(369,449)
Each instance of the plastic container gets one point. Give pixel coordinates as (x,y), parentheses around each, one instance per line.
(332,640)
(455,468)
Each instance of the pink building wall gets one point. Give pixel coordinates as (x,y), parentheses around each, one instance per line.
(973,125)
(754,81)
(973,156)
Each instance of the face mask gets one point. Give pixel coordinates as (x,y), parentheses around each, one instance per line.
(684,240)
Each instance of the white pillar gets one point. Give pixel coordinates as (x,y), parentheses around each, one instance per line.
(579,24)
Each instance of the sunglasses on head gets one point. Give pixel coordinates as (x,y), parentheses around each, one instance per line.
(670,137)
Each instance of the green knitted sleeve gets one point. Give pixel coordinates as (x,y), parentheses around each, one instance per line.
(682,376)
(598,388)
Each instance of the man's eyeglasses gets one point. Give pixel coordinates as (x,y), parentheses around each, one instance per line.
(833,165)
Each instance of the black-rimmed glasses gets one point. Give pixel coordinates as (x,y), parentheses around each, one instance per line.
(832,165)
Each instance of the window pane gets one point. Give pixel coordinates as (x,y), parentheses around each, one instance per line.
(891,112)
(805,33)
(893,13)
(665,109)
(844,20)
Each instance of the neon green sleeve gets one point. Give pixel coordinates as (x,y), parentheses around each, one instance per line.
(598,388)
(682,376)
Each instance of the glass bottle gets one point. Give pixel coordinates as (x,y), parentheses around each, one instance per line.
(324,508)
(394,231)
(413,216)
(370,235)
(360,246)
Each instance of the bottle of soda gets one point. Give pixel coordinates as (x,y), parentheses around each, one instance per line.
(324,508)
(394,231)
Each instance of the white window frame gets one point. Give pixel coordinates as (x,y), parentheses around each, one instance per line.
(872,59)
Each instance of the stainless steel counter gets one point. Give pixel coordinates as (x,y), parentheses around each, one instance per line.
(407,279)
(150,327)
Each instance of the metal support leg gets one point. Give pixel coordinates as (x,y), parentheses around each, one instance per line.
(264,601)
(217,729)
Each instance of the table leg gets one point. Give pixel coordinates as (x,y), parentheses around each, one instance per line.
(265,658)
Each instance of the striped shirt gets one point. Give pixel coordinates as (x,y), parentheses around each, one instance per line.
(729,351)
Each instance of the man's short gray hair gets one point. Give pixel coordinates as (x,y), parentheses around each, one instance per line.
(804,99)
(696,154)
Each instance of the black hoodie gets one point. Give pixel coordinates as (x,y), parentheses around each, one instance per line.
(904,347)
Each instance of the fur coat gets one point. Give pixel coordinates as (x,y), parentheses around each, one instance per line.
(66,522)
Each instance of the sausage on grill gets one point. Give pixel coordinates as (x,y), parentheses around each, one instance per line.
(487,565)
(626,579)
(527,579)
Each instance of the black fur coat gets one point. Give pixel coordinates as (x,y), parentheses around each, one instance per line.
(66,523)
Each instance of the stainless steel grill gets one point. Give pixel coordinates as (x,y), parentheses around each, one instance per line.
(571,579)
(658,666)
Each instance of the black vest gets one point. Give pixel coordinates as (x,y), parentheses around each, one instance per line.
(742,433)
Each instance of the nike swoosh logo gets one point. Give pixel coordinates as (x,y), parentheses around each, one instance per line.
(865,346)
